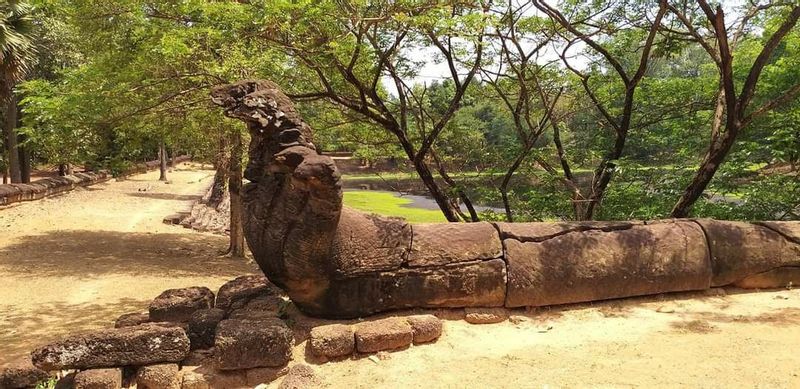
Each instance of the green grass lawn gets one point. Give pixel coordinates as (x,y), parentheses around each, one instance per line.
(384,203)
(411,176)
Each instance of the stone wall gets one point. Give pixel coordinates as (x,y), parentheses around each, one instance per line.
(15,193)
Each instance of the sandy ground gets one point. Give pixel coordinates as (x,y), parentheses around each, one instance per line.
(78,261)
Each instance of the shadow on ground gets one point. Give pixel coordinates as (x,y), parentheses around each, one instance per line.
(166,196)
(23,329)
(89,254)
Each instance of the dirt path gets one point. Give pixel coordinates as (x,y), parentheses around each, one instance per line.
(739,340)
(78,261)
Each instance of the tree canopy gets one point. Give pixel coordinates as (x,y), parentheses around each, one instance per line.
(610,109)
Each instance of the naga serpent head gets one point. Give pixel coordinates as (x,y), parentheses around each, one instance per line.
(271,118)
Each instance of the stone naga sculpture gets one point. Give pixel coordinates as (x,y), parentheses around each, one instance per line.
(336,262)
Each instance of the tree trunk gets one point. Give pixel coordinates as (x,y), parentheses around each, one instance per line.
(24,160)
(220,184)
(11,141)
(507,179)
(162,156)
(442,200)
(173,162)
(473,215)
(708,168)
(236,248)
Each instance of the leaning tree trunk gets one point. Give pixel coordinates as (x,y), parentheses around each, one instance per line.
(162,157)
(11,141)
(236,248)
(708,168)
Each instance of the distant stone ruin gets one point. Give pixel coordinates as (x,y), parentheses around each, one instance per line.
(336,262)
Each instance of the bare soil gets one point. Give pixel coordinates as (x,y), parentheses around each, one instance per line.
(78,261)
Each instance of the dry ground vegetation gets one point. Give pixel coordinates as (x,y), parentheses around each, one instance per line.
(78,261)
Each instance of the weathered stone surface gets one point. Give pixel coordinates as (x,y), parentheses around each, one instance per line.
(198,357)
(480,283)
(194,380)
(339,263)
(12,193)
(177,305)
(235,379)
(203,327)
(99,379)
(426,328)
(790,230)
(384,334)
(781,277)
(245,344)
(132,319)
(21,374)
(135,346)
(597,265)
(235,294)
(485,315)
(541,231)
(740,250)
(261,307)
(161,376)
(370,243)
(264,375)
(332,341)
(443,243)
(301,376)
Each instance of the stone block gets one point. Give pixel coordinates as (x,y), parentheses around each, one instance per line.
(739,250)
(203,327)
(332,341)
(99,379)
(235,294)
(597,264)
(384,334)
(444,243)
(127,346)
(245,344)
(21,374)
(426,328)
(177,305)
(132,319)
(161,376)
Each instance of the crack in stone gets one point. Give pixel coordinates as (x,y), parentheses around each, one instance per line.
(708,251)
(504,257)
(779,232)
(579,228)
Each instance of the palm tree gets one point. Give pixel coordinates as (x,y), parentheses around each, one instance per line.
(17,56)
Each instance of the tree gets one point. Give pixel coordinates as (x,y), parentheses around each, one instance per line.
(518,84)
(17,54)
(733,105)
(589,26)
(347,48)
